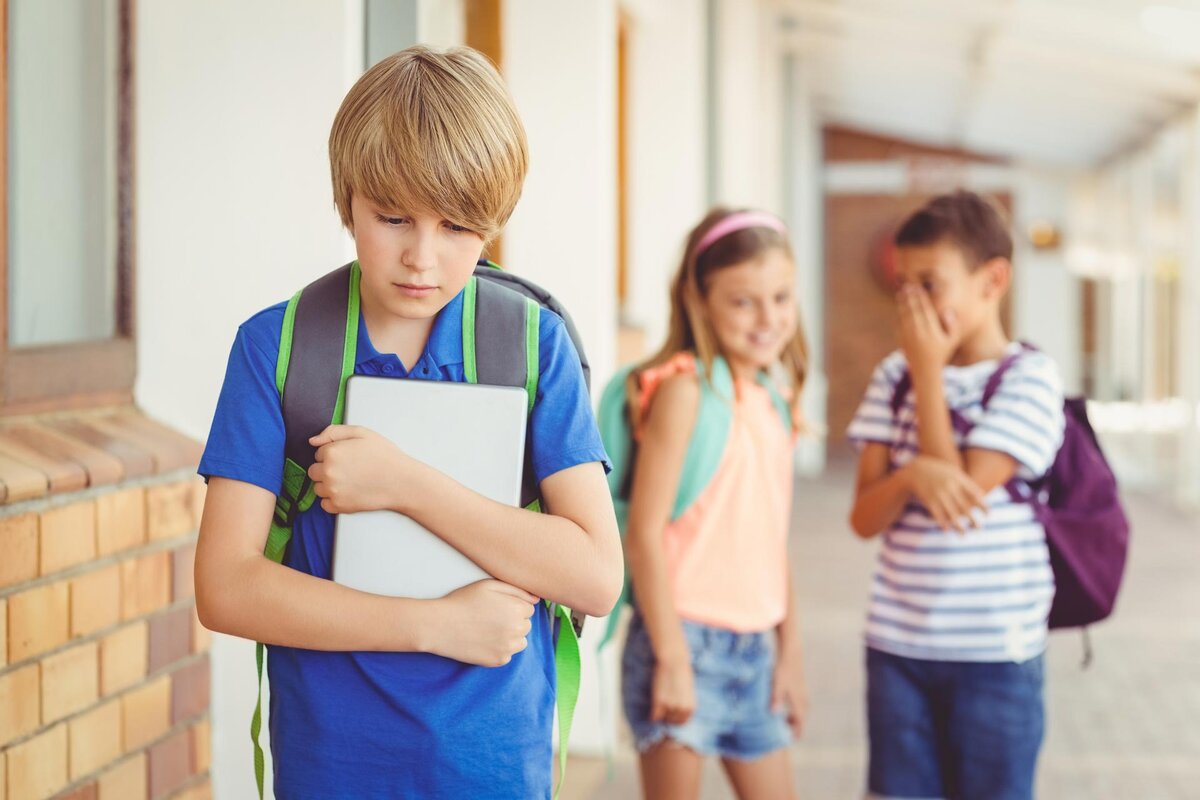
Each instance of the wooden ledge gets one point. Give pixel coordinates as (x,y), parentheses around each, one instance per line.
(67,452)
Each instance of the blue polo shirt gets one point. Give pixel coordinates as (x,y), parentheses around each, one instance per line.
(367,725)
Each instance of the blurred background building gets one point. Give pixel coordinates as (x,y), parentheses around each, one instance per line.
(167,177)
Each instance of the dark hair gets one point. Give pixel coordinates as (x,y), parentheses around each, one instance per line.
(973,224)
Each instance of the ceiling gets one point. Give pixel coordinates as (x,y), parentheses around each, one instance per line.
(1068,83)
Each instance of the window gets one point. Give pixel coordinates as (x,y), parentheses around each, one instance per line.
(66,270)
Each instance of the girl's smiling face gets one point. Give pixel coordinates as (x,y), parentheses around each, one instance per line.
(414,262)
(751,308)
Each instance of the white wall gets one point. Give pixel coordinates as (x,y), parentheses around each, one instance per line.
(234,104)
(665,177)
(749,106)
(1047,299)
(560,65)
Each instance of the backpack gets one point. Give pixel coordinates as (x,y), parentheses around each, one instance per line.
(705,451)
(1078,504)
(319,341)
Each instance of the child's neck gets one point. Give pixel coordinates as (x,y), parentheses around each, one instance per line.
(391,334)
(986,344)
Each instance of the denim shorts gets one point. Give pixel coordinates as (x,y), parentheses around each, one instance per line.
(953,729)
(733,676)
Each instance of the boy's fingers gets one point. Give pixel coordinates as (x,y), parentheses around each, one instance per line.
(336,433)
(508,588)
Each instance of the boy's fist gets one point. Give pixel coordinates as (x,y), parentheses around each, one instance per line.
(484,623)
(356,469)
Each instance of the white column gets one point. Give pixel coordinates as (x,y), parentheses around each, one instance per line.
(560,64)
(749,102)
(666,158)
(804,208)
(1046,296)
(1187,334)
(235,212)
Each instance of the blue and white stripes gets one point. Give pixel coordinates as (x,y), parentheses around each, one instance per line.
(983,595)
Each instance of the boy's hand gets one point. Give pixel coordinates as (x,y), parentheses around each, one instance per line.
(356,469)
(673,695)
(946,491)
(928,340)
(483,623)
(788,690)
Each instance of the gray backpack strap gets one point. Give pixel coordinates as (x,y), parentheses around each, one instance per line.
(488,271)
(500,320)
(324,333)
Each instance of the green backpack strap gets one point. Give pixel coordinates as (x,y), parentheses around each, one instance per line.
(705,451)
(494,317)
(317,347)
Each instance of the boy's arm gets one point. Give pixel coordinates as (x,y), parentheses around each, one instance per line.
(927,347)
(570,555)
(879,495)
(240,592)
(946,491)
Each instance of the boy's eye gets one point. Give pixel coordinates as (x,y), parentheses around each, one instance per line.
(390,220)
(783,297)
(457,228)
(927,286)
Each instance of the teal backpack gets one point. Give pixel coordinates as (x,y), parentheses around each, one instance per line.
(705,451)
(500,329)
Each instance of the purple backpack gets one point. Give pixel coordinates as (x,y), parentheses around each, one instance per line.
(1077,503)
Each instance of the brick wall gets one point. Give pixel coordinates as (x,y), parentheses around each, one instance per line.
(104,670)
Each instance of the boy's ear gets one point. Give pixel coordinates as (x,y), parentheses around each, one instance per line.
(997,275)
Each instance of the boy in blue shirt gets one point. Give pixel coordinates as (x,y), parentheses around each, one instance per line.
(376,696)
(961,595)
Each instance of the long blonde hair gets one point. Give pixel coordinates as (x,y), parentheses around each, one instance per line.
(689,328)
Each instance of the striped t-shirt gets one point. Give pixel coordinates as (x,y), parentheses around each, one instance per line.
(984,595)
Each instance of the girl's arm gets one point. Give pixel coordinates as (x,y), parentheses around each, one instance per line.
(656,474)
(240,592)
(788,687)
(571,554)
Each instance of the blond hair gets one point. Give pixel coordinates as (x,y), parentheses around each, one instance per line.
(433,130)
(690,330)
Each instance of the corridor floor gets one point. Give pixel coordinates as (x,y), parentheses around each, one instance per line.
(1127,728)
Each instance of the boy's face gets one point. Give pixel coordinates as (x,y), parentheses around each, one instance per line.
(413,262)
(969,297)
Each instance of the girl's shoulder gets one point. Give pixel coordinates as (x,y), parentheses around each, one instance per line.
(670,387)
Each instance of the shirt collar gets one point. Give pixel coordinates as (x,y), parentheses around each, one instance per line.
(444,347)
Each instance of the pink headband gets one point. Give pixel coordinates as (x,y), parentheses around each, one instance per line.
(739,221)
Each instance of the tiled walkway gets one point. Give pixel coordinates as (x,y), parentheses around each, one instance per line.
(1127,728)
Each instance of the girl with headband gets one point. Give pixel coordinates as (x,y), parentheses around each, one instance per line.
(712,663)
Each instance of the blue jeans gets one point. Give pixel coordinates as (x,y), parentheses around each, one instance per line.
(953,729)
(733,674)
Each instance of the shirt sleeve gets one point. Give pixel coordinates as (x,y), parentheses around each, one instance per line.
(874,420)
(1024,418)
(563,429)
(246,441)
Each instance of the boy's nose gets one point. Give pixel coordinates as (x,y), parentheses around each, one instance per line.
(419,253)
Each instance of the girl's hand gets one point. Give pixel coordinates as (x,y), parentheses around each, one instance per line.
(946,491)
(928,340)
(484,623)
(357,470)
(673,697)
(788,690)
